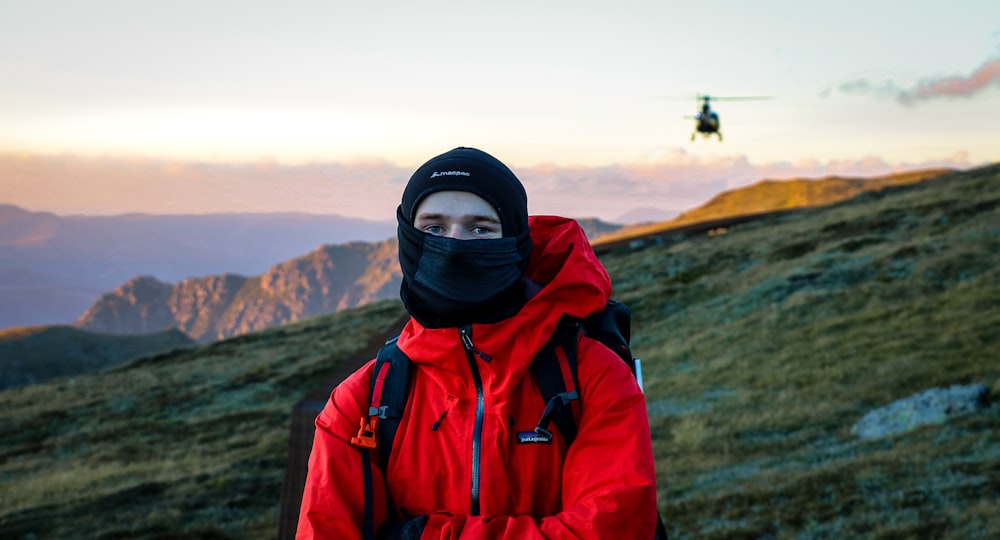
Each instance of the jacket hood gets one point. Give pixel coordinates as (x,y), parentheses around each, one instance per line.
(573,283)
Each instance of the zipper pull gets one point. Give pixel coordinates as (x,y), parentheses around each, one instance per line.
(466,338)
(466,333)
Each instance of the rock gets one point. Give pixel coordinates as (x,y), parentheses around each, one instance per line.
(207,308)
(933,406)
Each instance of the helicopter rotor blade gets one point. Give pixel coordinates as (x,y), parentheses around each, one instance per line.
(710,97)
(732,98)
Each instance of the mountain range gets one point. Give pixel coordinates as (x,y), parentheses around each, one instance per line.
(336,277)
(328,279)
(53,268)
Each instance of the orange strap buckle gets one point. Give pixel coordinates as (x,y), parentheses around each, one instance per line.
(366,434)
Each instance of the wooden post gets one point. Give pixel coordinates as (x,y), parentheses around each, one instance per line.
(303,429)
(299,445)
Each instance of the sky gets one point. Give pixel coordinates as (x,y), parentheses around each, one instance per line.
(202,106)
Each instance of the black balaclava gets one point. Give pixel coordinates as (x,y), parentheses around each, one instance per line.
(449,282)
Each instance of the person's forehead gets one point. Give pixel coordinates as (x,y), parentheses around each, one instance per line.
(453,202)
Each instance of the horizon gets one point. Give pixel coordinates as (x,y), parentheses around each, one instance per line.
(590,103)
(70,185)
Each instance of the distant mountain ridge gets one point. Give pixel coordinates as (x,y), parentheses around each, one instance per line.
(595,228)
(326,280)
(52,268)
(329,279)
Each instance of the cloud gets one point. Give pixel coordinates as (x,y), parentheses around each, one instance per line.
(671,181)
(864,87)
(983,77)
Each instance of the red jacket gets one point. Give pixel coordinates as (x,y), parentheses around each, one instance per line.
(603,486)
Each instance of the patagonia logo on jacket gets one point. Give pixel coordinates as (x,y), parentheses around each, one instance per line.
(530,437)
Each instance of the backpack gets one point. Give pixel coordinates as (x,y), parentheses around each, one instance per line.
(390,387)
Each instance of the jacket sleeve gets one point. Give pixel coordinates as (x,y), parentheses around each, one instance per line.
(333,497)
(609,478)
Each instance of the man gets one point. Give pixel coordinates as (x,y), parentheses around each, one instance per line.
(486,288)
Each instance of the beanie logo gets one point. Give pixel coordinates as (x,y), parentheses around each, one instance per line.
(449,173)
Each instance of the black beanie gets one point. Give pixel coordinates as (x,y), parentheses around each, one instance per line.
(474,171)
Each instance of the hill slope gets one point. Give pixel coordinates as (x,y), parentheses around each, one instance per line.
(769,196)
(761,348)
(188,444)
(30,355)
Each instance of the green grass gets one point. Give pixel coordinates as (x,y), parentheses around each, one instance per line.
(188,444)
(36,354)
(778,336)
(761,348)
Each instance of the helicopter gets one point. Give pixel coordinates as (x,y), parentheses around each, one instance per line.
(707,120)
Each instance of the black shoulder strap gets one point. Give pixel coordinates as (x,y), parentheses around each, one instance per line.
(613,327)
(661,530)
(553,383)
(393,368)
(390,386)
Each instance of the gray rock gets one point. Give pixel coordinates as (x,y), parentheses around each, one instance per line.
(933,406)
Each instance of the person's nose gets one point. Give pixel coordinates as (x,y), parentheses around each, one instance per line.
(457,232)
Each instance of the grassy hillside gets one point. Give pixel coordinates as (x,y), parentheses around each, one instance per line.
(771,195)
(188,444)
(761,346)
(764,345)
(774,196)
(39,353)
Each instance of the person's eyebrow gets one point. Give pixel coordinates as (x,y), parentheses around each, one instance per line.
(429,216)
(470,218)
(476,218)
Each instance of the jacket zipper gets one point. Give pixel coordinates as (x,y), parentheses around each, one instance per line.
(477,433)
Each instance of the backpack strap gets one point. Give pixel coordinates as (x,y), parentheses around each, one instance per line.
(390,386)
(555,370)
(368,531)
(389,389)
(612,326)
(394,390)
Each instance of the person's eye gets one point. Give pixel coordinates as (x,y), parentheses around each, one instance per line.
(481,230)
(436,230)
